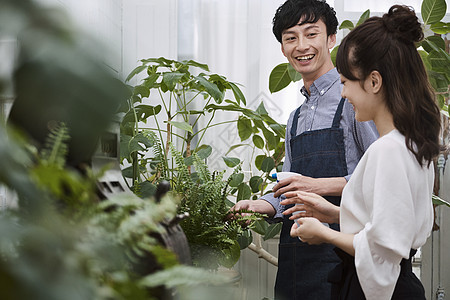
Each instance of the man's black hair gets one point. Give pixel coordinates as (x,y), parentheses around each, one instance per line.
(290,12)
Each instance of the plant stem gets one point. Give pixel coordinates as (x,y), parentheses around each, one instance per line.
(206,127)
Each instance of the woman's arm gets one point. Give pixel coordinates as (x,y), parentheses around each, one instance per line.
(313,232)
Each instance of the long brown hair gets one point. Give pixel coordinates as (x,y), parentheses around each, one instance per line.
(386,44)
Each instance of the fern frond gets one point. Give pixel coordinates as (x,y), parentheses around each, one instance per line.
(201,169)
(184,179)
(159,157)
(55,147)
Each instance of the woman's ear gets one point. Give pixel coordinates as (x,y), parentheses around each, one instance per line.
(376,81)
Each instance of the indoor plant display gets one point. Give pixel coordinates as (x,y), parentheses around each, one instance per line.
(163,141)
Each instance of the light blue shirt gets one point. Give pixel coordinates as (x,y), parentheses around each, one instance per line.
(317,112)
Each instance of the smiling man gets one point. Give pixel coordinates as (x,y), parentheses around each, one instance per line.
(323,143)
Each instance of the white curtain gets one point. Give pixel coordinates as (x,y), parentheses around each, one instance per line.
(235,39)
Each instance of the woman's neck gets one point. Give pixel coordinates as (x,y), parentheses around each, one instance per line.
(384,121)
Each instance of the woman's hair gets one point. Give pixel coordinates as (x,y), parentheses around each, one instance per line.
(290,12)
(386,44)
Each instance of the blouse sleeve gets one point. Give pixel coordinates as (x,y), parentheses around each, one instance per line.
(388,236)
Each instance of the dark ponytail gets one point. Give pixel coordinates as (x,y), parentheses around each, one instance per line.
(387,44)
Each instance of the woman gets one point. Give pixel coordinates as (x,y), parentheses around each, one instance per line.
(386,210)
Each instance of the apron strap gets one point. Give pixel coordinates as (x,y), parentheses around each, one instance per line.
(337,115)
(336,119)
(295,122)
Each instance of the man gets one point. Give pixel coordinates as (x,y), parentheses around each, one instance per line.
(323,143)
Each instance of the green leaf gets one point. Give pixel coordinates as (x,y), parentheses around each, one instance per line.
(236,179)
(432,43)
(271,139)
(181,125)
(182,275)
(440,61)
(441,102)
(244,128)
(210,88)
(244,192)
(439,82)
(440,28)
(261,110)
(439,201)
(433,11)
(196,64)
(272,230)
(136,70)
(231,255)
(146,189)
(268,164)
(170,79)
(245,239)
(293,74)
(231,161)
(255,183)
(204,151)
(259,161)
(143,112)
(365,15)
(151,80)
(134,144)
(279,78)
(129,171)
(237,146)
(141,90)
(124,151)
(333,54)
(258,141)
(238,95)
(347,25)
(424,55)
(260,227)
(279,129)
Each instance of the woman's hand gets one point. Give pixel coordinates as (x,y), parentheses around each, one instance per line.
(313,205)
(310,231)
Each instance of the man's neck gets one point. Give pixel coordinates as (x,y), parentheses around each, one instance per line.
(309,80)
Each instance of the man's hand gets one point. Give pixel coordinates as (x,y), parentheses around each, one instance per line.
(259,206)
(293,183)
(313,205)
(322,186)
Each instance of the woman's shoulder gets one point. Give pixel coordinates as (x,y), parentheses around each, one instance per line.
(391,145)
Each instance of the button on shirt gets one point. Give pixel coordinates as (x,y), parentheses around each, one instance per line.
(317,112)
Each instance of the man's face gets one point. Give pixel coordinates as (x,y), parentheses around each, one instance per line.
(307,48)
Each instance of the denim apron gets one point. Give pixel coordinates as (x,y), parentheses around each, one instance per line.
(303,269)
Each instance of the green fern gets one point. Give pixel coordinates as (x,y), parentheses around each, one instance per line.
(183,178)
(201,169)
(55,147)
(159,159)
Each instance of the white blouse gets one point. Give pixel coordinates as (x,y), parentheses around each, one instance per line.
(387,205)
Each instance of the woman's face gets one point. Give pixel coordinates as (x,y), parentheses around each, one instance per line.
(359,95)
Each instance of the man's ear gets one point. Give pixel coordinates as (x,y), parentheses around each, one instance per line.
(376,81)
(331,39)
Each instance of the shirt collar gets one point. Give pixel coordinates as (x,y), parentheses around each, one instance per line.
(322,84)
